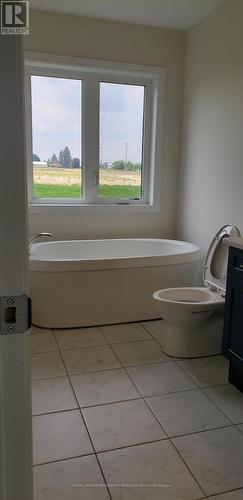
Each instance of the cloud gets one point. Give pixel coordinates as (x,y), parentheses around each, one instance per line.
(121,125)
(56,120)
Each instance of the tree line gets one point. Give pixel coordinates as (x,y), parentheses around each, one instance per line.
(65,160)
(126,165)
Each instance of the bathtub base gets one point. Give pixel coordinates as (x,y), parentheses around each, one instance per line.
(89,298)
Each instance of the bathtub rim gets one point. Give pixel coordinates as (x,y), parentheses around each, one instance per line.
(192,254)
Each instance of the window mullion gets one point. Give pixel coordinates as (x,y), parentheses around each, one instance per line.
(91,139)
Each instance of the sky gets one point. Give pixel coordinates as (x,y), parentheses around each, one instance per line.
(56,119)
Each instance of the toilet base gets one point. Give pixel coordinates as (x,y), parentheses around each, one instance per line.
(192,342)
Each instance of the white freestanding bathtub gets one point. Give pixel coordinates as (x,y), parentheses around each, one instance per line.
(94,282)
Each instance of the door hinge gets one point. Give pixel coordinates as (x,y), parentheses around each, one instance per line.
(15,314)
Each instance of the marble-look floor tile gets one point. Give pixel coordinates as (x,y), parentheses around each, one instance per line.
(122,424)
(231,495)
(148,472)
(186,412)
(75,479)
(90,359)
(47,365)
(124,333)
(139,353)
(215,458)
(229,400)
(43,342)
(57,436)
(161,378)
(154,327)
(208,371)
(52,395)
(79,337)
(103,387)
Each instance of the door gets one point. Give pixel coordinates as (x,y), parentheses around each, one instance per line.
(15,400)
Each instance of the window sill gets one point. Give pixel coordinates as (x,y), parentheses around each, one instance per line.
(68,208)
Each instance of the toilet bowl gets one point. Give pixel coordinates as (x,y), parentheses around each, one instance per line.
(193,316)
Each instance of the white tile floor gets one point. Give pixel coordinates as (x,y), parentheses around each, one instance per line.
(114,418)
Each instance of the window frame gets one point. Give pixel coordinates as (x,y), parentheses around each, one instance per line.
(91,73)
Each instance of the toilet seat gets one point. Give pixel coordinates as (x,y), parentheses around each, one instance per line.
(214,276)
(189,298)
(215,266)
(188,295)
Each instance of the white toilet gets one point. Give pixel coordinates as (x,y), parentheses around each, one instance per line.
(193,317)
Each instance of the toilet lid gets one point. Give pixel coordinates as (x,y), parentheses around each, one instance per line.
(215,268)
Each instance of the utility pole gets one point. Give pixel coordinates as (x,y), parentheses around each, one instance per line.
(126,150)
(100,159)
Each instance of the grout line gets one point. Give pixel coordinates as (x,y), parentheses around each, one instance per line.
(85,425)
(80,348)
(103,475)
(63,459)
(216,405)
(122,341)
(110,403)
(202,389)
(188,375)
(169,438)
(178,361)
(155,338)
(202,431)
(223,492)
(99,328)
(55,412)
(108,344)
(87,407)
(144,399)
(108,369)
(43,352)
(213,386)
(134,445)
(48,378)
(140,396)
(129,341)
(197,387)
(164,432)
(189,470)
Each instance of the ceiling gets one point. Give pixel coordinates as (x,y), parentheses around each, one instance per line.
(174,14)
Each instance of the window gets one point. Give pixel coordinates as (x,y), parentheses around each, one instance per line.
(121,140)
(93,133)
(56,137)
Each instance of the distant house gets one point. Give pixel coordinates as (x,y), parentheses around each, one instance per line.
(40,164)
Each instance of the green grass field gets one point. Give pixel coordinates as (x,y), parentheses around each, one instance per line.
(50,182)
(73,191)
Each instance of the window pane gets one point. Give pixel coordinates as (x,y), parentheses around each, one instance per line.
(56,137)
(121,140)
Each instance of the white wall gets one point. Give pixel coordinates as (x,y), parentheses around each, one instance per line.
(75,36)
(211,185)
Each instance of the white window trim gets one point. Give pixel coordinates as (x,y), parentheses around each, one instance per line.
(154,80)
